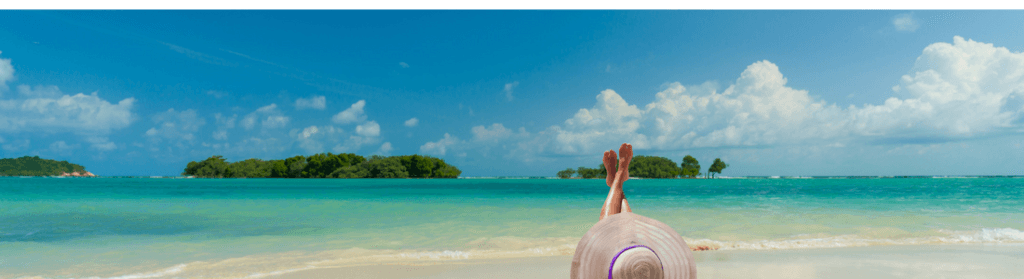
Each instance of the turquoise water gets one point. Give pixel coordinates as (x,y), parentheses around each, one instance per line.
(233,228)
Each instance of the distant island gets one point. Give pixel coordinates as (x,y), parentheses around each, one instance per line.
(325,165)
(651,167)
(35,166)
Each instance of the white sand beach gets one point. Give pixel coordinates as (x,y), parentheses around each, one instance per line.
(900,261)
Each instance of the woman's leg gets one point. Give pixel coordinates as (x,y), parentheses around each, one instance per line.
(614,203)
(610,160)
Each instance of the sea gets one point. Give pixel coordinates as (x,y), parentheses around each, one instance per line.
(253,228)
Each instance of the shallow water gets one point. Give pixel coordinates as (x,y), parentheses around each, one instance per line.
(151,228)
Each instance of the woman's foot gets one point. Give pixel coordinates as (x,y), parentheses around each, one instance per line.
(625,156)
(609,166)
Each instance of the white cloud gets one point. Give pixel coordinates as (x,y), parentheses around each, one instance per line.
(220,135)
(275,121)
(309,132)
(63,148)
(313,102)
(6,73)
(958,90)
(385,149)
(100,143)
(412,122)
(40,91)
(268,116)
(16,145)
(905,22)
(313,138)
(353,114)
(495,133)
(403,64)
(217,94)
(174,127)
(439,147)
(354,143)
(80,113)
(508,89)
(224,123)
(368,129)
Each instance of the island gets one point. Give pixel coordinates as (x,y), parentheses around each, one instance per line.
(650,167)
(325,165)
(35,166)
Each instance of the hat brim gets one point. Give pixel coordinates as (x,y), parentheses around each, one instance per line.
(595,251)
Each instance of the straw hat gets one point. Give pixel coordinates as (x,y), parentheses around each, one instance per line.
(630,246)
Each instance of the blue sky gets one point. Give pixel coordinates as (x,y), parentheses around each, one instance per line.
(519,92)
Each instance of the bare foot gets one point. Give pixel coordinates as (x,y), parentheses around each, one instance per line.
(625,156)
(609,166)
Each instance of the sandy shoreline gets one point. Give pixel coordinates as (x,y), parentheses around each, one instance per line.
(902,261)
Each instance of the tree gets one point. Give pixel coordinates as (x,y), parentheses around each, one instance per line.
(418,166)
(442,169)
(278,169)
(296,166)
(213,167)
(717,167)
(585,172)
(653,167)
(690,166)
(385,167)
(355,171)
(250,168)
(567,173)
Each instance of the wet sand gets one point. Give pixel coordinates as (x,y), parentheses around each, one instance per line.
(903,261)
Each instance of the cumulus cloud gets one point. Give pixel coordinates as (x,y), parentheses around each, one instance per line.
(223,124)
(368,129)
(353,114)
(311,139)
(100,143)
(63,148)
(496,132)
(175,125)
(269,117)
(313,102)
(39,91)
(403,64)
(47,109)
(6,73)
(439,147)
(508,89)
(354,143)
(412,122)
(385,149)
(905,22)
(957,90)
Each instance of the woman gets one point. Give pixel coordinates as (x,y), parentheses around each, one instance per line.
(623,245)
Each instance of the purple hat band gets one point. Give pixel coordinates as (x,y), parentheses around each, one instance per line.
(612,265)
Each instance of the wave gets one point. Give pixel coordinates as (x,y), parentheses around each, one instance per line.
(983,236)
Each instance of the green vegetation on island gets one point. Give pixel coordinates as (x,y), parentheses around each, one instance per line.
(690,166)
(651,167)
(717,167)
(325,165)
(35,166)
